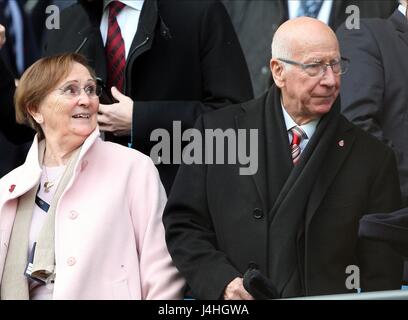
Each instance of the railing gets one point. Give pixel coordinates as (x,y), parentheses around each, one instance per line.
(375,295)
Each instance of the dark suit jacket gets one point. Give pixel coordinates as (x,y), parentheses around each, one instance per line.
(31,46)
(11,155)
(14,132)
(267,15)
(374,91)
(218,223)
(185,59)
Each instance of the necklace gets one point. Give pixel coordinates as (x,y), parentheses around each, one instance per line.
(47,184)
(56,175)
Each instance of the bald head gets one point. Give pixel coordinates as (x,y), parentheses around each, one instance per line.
(302,49)
(298,36)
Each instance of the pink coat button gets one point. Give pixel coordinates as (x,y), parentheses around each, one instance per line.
(73,215)
(71,261)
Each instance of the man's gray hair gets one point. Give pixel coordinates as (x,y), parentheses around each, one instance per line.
(280,47)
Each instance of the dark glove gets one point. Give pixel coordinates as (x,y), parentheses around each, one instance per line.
(259,286)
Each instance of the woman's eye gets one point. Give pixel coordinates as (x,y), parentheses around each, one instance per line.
(69,90)
(90,90)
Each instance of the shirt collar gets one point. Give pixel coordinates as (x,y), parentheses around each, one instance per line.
(309,128)
(134,4)
(402,9)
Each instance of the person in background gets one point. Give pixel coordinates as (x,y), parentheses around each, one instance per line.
(15,139)
(39,11)
(81,218)
(21,48)
(374,95)
(256,22)
(163,61)
(295,219)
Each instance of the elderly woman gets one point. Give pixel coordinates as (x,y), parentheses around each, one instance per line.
(81,218)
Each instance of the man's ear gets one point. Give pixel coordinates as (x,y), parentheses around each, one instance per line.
(278,72)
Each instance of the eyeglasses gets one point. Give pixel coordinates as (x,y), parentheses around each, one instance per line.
(318,69)
(73,90)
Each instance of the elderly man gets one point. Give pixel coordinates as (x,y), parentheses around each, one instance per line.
(296,218)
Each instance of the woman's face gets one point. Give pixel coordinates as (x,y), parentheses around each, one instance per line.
(66,115)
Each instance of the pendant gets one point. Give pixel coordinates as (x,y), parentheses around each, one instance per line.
(48,185)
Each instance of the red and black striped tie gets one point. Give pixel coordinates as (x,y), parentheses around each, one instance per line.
(297,136)
(115,48)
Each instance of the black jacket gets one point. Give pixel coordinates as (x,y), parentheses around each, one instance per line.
(11,155)
(218,222)
(185,59)
(374,92)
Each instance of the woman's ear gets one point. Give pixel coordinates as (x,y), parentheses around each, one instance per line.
(36,115)
(278,72)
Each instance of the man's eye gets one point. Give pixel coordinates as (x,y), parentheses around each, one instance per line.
(313,67)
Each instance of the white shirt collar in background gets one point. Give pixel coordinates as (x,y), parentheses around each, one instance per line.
(402,9)
(324,13)
(128,20)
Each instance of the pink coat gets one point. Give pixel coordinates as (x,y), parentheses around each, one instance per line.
(109,236)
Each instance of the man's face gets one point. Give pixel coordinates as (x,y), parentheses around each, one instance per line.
(308,97)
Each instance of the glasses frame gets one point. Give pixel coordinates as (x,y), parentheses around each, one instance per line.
(98,91)
(323,66)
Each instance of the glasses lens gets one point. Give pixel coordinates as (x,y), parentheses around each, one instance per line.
(336,67)
(71,90)
(313,69)
(344,64)
(90,90)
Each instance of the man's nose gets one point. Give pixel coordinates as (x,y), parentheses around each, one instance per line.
(329,78)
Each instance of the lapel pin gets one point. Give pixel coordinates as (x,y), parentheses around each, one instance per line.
(341,143)
(12,187)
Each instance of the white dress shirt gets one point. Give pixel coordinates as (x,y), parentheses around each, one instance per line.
(18,25)
(324,13)
(402,9)
(128,20)
(309,128)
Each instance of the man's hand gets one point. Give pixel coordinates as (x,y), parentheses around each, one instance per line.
(2,36)
(235,291)
(117,117)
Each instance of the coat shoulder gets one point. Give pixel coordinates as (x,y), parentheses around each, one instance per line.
(9,182)
(194,6)
(117,152)
(363,138)
(225,117)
